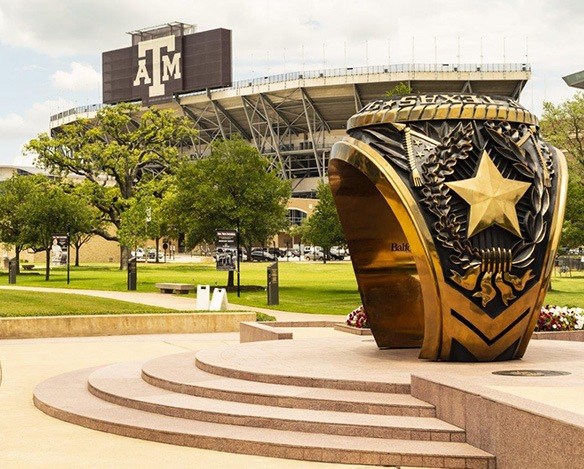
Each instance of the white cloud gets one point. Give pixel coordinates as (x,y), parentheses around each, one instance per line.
(18,129)
(81,78)
(33,120)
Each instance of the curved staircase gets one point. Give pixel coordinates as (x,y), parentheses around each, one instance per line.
(213,399)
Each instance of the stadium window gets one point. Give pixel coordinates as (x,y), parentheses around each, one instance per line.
(296,216)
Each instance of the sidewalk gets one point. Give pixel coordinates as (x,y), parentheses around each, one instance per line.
(31,439)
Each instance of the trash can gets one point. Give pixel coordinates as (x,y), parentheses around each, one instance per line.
(273,293)
(12,270)
(132,273)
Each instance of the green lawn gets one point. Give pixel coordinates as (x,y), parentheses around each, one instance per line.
(567,291)
(309,287)
(30,303)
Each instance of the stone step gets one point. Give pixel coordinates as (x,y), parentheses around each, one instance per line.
(66,397)
(287,366)
(178,373)
(122,384)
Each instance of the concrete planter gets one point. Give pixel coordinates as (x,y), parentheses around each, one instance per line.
(121,324)
(577,336)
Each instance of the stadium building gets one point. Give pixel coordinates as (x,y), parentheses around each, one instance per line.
(293,119)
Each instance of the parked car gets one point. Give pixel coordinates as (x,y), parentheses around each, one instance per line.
(262,255)
(292,253)
(138,254)
(337,253)
(314,253)
(152,255)
(273,251)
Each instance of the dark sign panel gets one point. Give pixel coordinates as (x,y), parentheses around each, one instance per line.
(226,250)
(155,69)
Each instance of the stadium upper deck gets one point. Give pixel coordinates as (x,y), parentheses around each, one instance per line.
(294,119)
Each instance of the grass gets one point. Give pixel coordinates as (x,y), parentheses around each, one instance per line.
(307,287)
(31,303)
(566,290)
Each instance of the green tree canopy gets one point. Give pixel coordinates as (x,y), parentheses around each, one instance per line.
(14,194)
(398,90)
(323,228)
(563,126)
(229,189)
(116,153)
(36,207)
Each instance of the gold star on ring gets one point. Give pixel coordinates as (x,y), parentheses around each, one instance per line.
(492,198)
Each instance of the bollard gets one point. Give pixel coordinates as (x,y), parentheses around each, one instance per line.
(132,273)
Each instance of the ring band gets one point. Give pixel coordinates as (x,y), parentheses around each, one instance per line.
(452,206)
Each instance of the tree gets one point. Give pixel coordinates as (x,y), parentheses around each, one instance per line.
(230,189)
(14,194)
(399,90)
(145,217)
(563,126)
(116,154)
(323,228)
(88,219)
(50,209)
(573,229)
(34,208)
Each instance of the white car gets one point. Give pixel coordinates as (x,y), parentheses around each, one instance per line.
(138,254)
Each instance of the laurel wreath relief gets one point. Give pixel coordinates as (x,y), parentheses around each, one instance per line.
(522,148)
(519,148)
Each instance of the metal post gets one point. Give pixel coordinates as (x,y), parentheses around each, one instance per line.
(132,273)
(238,261)
(68,259)
(12,268)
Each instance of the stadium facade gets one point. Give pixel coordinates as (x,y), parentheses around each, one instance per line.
(293,119)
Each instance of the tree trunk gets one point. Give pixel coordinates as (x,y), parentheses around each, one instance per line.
(124,256)
(17,251)
(77,255)
(157,247)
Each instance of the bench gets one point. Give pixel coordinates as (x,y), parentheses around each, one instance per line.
(27,266)
(181,288)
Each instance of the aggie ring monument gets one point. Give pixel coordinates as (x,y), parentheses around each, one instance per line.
(452,206)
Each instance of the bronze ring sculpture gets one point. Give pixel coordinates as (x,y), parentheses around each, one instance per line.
(452,206)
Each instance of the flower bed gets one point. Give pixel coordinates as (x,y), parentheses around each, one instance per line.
(357,318)
(551,319)
(557,318)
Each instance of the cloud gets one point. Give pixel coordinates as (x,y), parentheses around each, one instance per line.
(65,27)
(81,78)
(33,120)
(18,129)
(28,68)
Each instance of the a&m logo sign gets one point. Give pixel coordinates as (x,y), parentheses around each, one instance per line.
(159,67)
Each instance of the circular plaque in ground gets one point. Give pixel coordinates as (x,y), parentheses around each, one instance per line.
(531,373)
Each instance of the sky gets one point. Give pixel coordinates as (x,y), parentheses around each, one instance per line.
(51,51)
